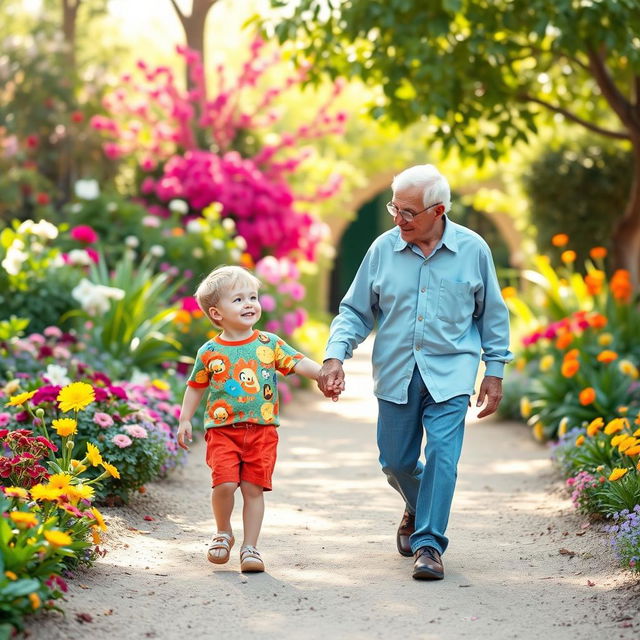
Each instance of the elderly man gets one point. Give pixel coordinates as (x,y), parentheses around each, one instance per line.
(431,287)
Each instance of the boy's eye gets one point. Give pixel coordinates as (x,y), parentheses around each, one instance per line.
(236,299)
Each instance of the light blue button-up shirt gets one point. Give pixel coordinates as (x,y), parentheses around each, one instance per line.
(440,312)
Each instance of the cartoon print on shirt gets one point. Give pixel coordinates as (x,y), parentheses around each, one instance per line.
(246,373)
(265,355)
(267,411)
(221,412)
(218,364)
(263,338)
(267,392)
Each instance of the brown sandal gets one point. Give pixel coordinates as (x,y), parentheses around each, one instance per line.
(223,542)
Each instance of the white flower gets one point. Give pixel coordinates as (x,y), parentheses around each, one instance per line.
(26,226)
(195,226)
(57,262)
(45,230)
(229,225)
(138,377)
(79,257)
(156,251)
(57,375)
(13,261)
(235,255)
(197,253)
(111,207)
(87,189)
(217,244)
(150,221)
(94,298)
(36,247)
(178,206)
(241,243)
(132,241)
(76,207)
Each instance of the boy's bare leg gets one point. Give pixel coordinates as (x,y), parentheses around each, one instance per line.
(222,501)
(252,512)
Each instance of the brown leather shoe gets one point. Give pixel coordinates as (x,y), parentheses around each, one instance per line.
(428,564)
(406,528)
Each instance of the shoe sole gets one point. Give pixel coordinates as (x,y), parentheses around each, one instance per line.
(252,568)
(425,574)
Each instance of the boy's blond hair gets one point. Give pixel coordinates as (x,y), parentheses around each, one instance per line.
(220,280)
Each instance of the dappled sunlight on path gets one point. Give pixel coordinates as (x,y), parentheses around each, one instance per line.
(329,546)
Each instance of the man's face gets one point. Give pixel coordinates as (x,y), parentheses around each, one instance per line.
(410,199)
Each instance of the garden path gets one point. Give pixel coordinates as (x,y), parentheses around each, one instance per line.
(521,564)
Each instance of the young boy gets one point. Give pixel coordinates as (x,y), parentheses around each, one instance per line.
(238,368)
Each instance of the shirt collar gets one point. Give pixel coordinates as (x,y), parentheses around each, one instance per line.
(448,237)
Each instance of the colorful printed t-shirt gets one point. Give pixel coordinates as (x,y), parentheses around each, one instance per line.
(241,377)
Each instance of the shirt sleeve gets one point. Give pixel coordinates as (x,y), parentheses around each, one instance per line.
(200,374)
(356,314)
(492,318)
(286,357)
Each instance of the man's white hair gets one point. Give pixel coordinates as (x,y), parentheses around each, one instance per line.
(434,185)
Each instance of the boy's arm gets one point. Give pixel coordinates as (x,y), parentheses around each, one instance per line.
(190,402)
(311,369)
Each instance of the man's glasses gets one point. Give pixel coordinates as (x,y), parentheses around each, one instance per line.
(406,215)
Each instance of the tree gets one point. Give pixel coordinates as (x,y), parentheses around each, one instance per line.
(488,73)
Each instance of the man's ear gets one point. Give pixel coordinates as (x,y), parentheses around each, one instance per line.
(439,210)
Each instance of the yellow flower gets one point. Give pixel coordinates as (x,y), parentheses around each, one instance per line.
(21,398)
(112,471)
(579,441)
(632,451)
(627,443)
(93,454)
(34,598)
(76,396)
(568,256)
(95,535)
(546,362)
(538,431)
(24,519)
(617,424)
(595,426)
(65,426)
(100,523)
(521,363)
(622,410)
(525,407)
(11,575)
(79,491)
(59,481)
(44,492)
(16,492)
(607,356)
(58,538)
(509,292)
(617,473)
(616,440)
(77,467)
(628,368)
(605,339)
(636,433)
(11,387)
(563,426)
(160,384)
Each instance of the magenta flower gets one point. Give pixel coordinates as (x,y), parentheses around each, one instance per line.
(84,233)
(267,302)
(5,418)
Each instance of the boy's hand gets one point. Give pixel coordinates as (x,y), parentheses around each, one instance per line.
(184,430)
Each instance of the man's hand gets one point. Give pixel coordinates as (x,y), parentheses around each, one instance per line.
(184,430)
(491,389)
(331,378)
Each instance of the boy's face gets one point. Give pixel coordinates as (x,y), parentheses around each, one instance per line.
(238,308)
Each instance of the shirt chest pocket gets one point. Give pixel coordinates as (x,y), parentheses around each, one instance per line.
(455,301)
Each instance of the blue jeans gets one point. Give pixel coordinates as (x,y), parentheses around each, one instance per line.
(426,489)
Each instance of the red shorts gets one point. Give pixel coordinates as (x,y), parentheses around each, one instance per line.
(243,453)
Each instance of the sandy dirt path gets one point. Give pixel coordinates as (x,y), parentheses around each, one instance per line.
(520,562)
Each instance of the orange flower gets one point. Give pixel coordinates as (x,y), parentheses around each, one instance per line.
(621,285)
(587,396)
(247,261)
(598,321)
(177,231)
(607,356)
(594,282)
(595,426)
(598,253)
(568,256)
(560,240)
(570,355)
(570,367)
(579,441)
(564,340)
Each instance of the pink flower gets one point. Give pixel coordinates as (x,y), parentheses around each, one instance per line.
(84,233)
(53,332)
(121,440)
(103,420)
(135,431)
(189,304)
(267,302)
(4,419)
(273,326)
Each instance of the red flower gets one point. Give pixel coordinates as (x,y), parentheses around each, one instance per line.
(32,141)
(43,198)
(77,116)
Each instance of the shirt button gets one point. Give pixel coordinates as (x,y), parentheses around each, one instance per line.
(422,290)
(417,347)
(420,318)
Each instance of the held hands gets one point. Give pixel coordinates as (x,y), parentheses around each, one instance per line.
(331,379)
(491,390)
(184,430)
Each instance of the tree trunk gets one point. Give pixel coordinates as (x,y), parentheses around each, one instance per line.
(69,16)
(626,236)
